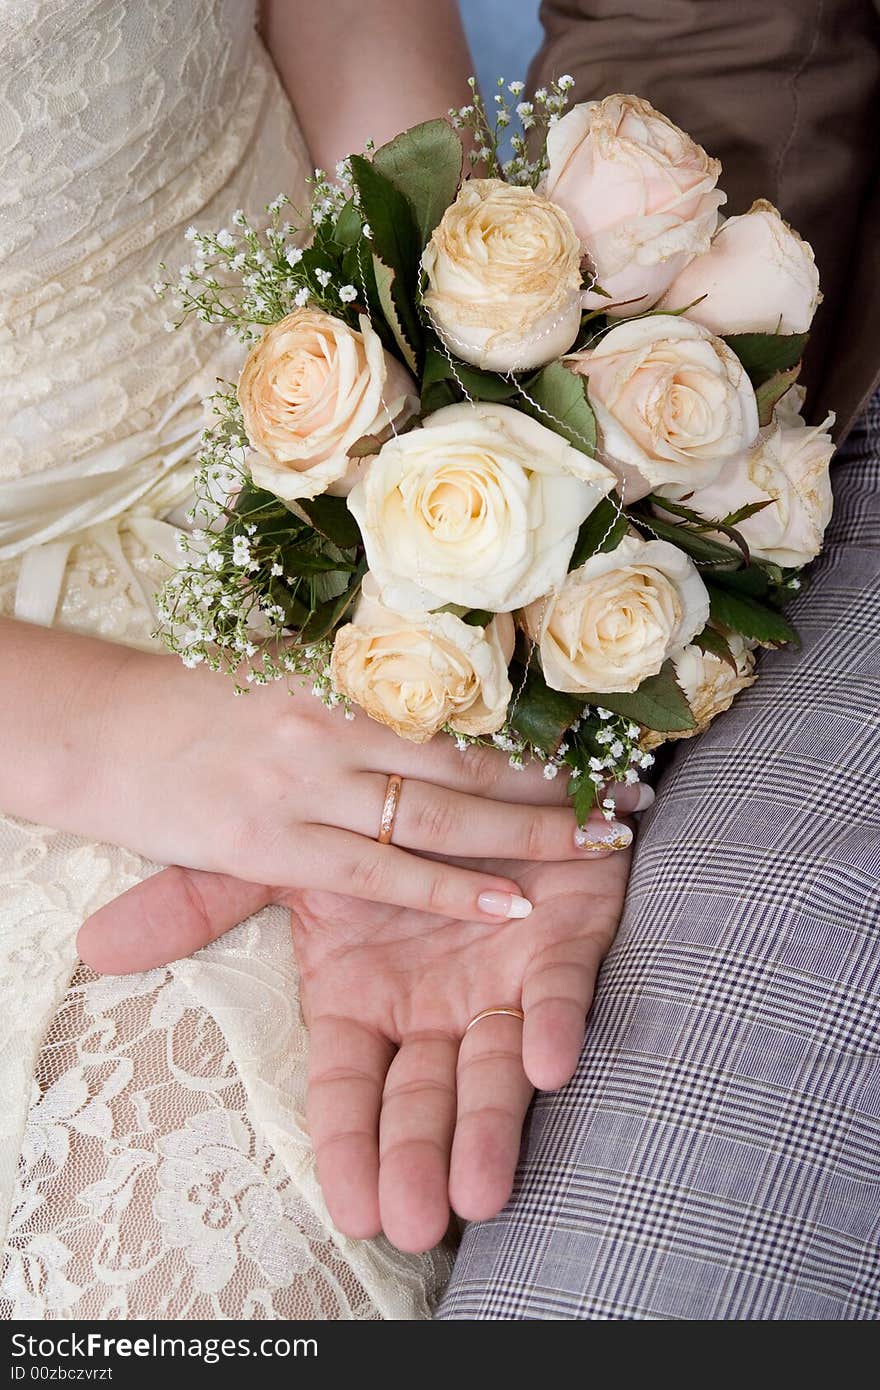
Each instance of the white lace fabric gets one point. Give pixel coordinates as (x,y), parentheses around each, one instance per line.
(154,1161)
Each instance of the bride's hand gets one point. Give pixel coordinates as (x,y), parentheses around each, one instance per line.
(276,789)
(407,1112)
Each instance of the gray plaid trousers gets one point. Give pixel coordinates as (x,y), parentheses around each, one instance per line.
(717,1155)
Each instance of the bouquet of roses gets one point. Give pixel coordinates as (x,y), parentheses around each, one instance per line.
(515,458)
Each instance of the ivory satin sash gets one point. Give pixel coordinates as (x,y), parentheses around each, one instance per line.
(133,485)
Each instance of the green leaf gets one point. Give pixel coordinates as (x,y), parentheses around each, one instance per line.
(482,386)
(701,550)
(332,585)
(765,354)
(744,615)
(540,715)
(711,640)
(327,616)
(772,390)
(424,165)
(349,225)
(385,280)
(330,516)
(562,404)
(603,530)
(743,513)
(751,579)
(584,796)
(395,245)
(659,703)
(302,562)
(437,395)
(474,617)
(477,617)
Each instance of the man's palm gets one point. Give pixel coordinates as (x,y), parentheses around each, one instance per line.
(406,1113)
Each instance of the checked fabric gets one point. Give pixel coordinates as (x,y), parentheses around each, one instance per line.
(717,1155)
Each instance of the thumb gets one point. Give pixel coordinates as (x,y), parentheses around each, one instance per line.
(168,916)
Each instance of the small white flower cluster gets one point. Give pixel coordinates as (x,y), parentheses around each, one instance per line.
(538,114)
(603,747)
(221,607)
(329,197)
(248,278)
(600,747)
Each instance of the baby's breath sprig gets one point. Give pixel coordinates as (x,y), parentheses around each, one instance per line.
(252,573)
(248,277)
(538,115)
(601,747)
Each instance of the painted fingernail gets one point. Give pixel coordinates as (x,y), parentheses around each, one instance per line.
(597,835)
(504,905)
(620,792)
(646,797)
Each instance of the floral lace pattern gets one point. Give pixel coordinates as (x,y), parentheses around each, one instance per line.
(146,1189)
(154,1160)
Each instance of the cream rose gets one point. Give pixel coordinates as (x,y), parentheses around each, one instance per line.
(419,673)
(710,683)
(673,403)
(788,467)
(640,193)
(615,620)
(757,276)
(309,389)
(479,507)
(504,279)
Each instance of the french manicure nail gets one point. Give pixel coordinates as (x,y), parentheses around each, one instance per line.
(505,905)
(646,797)
(621,791)
(597,835)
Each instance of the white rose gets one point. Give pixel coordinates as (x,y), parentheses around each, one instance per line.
(640,193)
(757,276)
(788,467)
(480,507)
(673,403)
(419,673)
(617,619)
(504,279)
(710,684)
(309,389)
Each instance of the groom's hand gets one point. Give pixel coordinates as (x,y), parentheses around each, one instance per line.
(407,1113)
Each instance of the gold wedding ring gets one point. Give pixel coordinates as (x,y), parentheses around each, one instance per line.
(389,808)
(489,1013)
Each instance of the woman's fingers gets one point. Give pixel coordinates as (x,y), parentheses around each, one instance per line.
(347,1066)
(341,862)
(450,823)
(166,917)
(476,769)
(486,772)
(493,1096)
(418,1118)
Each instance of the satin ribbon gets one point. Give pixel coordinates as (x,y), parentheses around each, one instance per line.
(128,486)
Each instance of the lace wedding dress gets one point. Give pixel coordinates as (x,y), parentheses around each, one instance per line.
(153,1154)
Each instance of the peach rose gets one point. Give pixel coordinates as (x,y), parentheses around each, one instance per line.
(758,276)
(788,467)
(640,193)
(504,279)
(420,673)
(309,389)
(673,404)
(615,620)
(710,684)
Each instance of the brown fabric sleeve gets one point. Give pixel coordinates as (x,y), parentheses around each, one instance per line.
(784,92)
